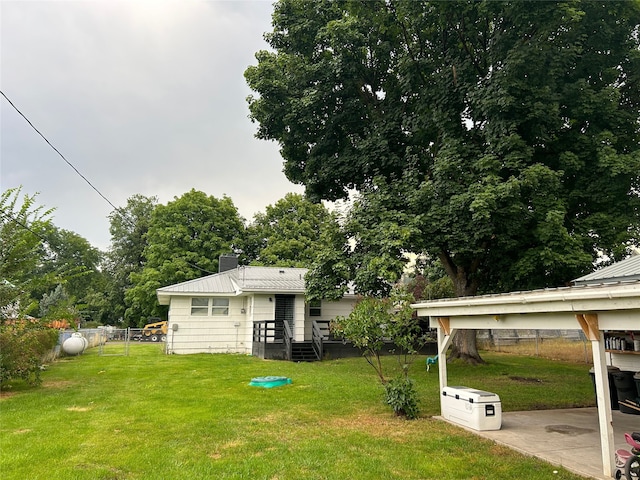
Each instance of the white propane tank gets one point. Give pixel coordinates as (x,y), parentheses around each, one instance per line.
(74,345)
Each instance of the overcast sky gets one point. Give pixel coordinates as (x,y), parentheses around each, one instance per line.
(142,97)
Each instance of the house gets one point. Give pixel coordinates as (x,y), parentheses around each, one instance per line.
(251,310)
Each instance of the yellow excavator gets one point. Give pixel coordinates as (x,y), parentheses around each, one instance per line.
(155,332)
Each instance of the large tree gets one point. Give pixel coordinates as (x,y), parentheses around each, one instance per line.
(287,234)
(507,132)
(128,228)
(71,262)
(41,262)
(184,241)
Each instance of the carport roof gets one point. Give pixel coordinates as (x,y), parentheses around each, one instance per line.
(605,296)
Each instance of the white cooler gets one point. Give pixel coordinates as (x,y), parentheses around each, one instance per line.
(472,408)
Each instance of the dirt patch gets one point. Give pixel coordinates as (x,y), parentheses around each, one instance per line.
(525,379)
(219,453)
(5,394)
(21,431)
(376,425)
(58,384)
(79,409)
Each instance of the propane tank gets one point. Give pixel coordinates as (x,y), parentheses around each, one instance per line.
(74,345)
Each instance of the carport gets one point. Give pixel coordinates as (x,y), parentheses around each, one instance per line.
(595,309)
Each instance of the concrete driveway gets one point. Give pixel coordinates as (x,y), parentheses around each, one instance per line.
(569,438)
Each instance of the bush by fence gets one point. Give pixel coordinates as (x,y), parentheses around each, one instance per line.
(23,346)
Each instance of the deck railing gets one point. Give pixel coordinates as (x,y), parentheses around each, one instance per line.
(288,340)
(268,339)
(319,331)
(264,331)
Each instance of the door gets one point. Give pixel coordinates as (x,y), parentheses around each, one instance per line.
(285,305)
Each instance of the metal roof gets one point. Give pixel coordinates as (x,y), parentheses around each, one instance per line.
(237,281)
(623,270)
(271,279)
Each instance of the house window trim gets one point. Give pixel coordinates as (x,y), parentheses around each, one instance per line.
(315,308)
(210,309)
(202,309)
(224,308)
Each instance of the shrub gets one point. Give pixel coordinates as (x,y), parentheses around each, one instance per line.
(372,323)
(23,344)
(402,397)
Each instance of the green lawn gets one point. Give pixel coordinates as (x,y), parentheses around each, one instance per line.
(152,416)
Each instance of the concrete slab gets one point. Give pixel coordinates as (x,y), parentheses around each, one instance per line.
(569,437)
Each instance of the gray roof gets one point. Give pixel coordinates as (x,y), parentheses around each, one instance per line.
(238,281)
(621,271)
(271,279)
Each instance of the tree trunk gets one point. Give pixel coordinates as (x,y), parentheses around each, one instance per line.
(464,345)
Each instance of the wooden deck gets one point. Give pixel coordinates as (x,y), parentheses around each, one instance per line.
(274,343)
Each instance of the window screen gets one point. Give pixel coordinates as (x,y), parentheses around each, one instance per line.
(315,308)
(220,306)
(200,306)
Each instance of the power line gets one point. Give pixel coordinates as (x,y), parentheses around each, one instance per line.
(19,223)
(58,152)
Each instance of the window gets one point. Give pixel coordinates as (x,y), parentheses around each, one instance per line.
(203,307)
(220,306)
(315,308)
(200,306)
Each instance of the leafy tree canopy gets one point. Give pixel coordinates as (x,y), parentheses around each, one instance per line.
(45,270)
(128,228)
(78,268)
(500,137)
(22,228)
(184,241)
(288,233)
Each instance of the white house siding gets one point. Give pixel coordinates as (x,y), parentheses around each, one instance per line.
(234,333)
(329,311)
(263,309)
(206,334)
(299,318)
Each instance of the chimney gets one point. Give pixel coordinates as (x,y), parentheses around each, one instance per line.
(227,261)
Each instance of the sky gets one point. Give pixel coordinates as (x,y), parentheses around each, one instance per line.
(141,97)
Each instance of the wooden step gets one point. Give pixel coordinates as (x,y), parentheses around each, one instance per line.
(303,352)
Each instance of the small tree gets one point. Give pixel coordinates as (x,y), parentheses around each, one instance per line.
(57,305)
(376,321)
(23,345)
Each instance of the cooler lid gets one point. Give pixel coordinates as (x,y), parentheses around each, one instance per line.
(470,395)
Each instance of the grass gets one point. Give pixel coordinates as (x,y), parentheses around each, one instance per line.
(551,348)
(151,416)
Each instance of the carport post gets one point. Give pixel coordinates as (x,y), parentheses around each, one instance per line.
(445,336)
(589,324)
